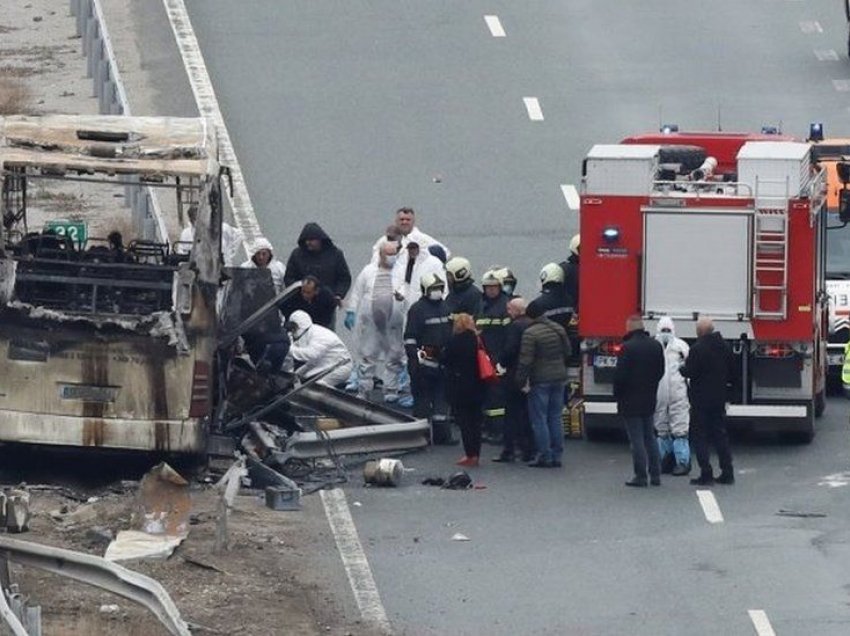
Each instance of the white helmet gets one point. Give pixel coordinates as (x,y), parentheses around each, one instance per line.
(574,244)
(551,273)
(430,281)
(490,278)
(507,279)
(459,269)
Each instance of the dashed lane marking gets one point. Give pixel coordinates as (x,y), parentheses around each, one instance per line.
(354,560)
(532,105)
(761,623)
(826,55)
(810,26)
(709,506)
(495,26)
(571,196)
(202,88)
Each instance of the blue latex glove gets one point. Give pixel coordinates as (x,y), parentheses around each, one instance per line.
(349,320)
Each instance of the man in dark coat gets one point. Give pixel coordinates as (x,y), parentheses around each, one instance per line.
(640,368)
(316,255)
(517,423)
(313,298)
(709,368)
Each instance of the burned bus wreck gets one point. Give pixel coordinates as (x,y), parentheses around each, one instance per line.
(107,340)
(116,337)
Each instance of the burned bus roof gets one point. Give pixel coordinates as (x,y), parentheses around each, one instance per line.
(111,144)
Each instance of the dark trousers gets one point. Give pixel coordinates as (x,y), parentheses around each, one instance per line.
(708,426)
(644,448)
(428,388)
(517,425)
(468,418)
(494,410)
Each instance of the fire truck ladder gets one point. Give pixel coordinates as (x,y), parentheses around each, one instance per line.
(770,263)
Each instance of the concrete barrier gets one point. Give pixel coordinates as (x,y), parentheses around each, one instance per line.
(107,87)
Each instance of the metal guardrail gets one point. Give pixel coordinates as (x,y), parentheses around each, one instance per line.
(112,100)
(97,571)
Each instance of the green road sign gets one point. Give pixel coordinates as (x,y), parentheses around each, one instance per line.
(75,230)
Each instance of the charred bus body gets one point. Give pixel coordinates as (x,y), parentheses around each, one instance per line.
(104,344)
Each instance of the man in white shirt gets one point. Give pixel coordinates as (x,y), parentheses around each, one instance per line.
(405,222)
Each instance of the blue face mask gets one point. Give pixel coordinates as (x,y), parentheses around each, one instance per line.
(508,289)
(665,337)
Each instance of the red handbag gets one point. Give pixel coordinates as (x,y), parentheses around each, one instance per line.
(486,370)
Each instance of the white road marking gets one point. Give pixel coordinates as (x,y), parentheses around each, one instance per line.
(709,506)
(841,85)
(836,480)
(199,78)
(810,26)
(532,105)
(354,560)
(495,26)
(826,55)
(571,196)
(761,623)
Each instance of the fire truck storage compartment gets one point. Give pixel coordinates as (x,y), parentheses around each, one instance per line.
(620,169)
(696,262)
(774,170)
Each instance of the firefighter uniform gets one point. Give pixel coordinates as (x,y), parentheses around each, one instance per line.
(556,304)
(427,331)
(492,324)
(464,298)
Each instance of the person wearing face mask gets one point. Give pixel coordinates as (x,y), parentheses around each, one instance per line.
(672,410)
(508,280)
(426,334)
(379,318)
(316,349)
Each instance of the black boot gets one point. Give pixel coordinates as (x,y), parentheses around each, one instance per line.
(705,479)
(668,462)
(726,477)
(504,458)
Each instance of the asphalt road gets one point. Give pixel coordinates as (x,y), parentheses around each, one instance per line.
(573,551)
(343,110)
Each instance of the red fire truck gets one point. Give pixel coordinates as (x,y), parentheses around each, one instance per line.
(721,225)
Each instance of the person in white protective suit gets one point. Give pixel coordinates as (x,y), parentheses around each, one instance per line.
(316,349)
(230,238)
(262,255)
(413,263)
(379,318)
(672,411)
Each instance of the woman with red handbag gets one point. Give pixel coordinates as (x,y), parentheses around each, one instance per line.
(465,388)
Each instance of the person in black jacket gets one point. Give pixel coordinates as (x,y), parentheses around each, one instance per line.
(464,297)
(316,255)
(517,423)
(709,368)
(426,333)
(317,301)
(640,368)
(492,324)
(464,389)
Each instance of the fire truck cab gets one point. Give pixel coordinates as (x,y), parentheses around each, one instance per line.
(731,230)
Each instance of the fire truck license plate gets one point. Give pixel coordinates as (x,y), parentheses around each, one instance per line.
(605,362)
(835,359)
